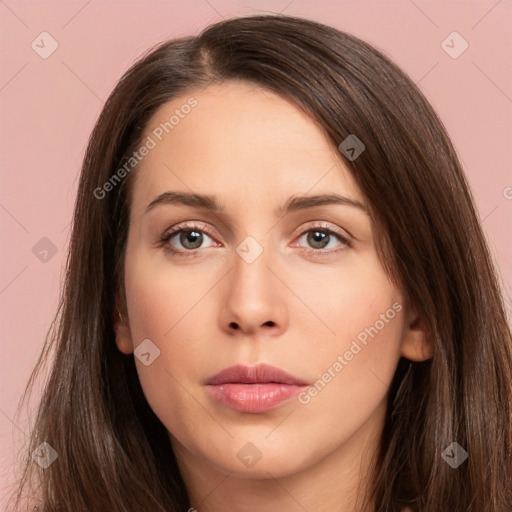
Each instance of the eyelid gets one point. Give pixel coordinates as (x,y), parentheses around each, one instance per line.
(325,226)
(193,225)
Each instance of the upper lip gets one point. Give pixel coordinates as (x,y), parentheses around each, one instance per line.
(260,374)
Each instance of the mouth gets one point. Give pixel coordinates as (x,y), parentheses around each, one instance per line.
(255,389)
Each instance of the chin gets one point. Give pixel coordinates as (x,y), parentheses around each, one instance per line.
(246,459)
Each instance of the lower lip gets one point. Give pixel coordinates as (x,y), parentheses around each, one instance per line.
(254,398)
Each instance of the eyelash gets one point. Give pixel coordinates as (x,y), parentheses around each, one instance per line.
(202,228)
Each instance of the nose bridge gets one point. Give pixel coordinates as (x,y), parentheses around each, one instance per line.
(250,273)
(251,299)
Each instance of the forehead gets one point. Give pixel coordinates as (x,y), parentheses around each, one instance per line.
(239,140)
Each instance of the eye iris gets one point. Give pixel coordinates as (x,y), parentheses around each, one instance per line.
(193,237)
(318,237)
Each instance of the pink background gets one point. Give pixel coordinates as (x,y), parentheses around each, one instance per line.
(49,106)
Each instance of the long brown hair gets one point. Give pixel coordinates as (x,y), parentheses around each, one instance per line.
(115,454)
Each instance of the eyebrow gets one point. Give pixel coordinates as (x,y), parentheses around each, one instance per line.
(212,203)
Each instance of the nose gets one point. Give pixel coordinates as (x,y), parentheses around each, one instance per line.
(253,302)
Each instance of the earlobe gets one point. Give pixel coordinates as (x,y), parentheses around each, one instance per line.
(417,344)
(123,334)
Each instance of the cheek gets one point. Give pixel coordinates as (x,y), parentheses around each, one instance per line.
(354,360)
(355,304)
(161,300)
(160,308)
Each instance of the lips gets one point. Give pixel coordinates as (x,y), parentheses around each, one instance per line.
(255,389)
(261,374)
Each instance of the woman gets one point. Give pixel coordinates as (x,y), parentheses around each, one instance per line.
(278,295)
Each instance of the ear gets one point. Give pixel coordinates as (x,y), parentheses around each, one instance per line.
(417,344)
(122,328)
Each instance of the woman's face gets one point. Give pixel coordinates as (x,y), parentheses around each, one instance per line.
(267,277)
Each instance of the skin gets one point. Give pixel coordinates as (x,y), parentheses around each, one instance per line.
(294,309)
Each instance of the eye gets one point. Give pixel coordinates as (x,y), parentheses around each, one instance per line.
(321,237)
(185,239)
(189,236)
